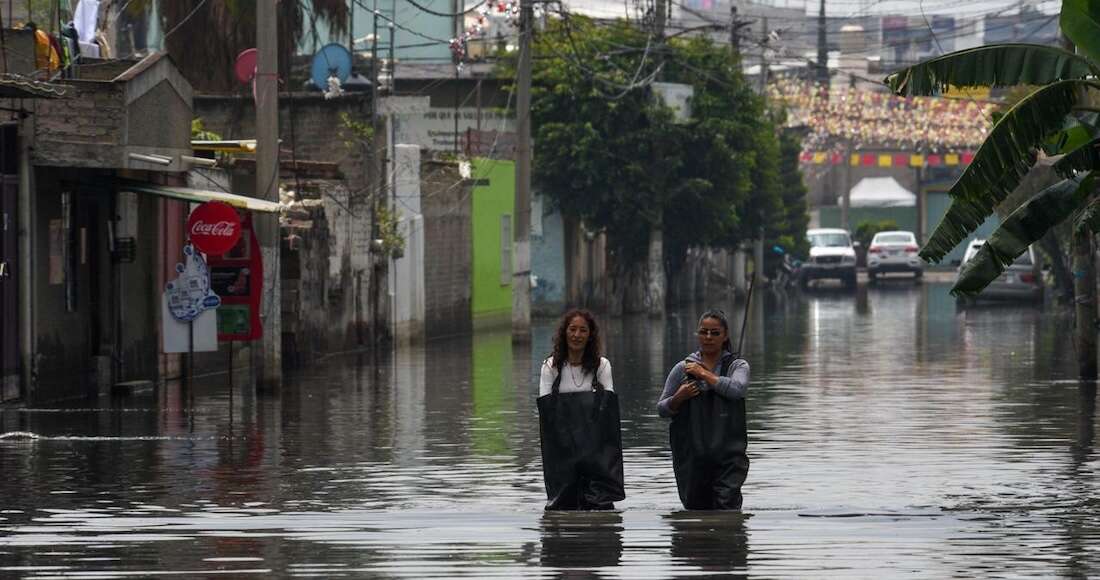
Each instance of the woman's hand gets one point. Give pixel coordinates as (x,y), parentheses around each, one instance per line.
(686,391)
(698,371)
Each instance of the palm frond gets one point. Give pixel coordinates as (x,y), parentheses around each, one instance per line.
(1001,162)
(1080,22)
(1084,158)
(1020,229)
(998,65)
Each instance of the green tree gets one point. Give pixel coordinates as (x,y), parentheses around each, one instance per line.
(1057,117)
(609,153)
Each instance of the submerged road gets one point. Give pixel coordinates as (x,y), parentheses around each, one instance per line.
(891,435)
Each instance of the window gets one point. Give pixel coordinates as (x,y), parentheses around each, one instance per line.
(894,239)
(505,249)
(830,240)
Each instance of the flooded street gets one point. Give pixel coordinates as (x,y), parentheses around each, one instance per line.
(891,435)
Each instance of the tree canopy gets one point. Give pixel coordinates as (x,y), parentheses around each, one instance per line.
(609,152)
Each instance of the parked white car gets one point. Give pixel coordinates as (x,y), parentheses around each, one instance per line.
(831,256)
(894,251)
(1022,280)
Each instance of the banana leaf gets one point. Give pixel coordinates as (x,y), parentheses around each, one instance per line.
(1083,158)
(1002,160)
(1020,229)
(1073,135)
(998,65)
(1080,22)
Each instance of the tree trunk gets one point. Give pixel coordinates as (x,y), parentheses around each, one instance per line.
(1063,278)
(1084,286)
(654,279)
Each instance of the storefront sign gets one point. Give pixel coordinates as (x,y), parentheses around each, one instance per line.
(214,227)
(236,276)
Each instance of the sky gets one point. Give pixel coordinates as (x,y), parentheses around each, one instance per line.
(613,8)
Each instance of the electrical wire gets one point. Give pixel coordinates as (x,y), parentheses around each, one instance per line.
(446,14)
(184,21)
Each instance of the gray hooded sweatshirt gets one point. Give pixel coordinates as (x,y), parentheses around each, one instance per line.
(733,385)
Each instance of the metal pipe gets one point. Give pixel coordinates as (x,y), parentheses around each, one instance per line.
(156,159)
(201,161)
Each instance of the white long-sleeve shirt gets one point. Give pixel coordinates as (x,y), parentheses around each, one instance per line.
(574,378)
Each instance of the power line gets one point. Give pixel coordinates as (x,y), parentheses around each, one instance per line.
(446,14)
(184,21)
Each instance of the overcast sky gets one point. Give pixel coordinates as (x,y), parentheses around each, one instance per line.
(613,8)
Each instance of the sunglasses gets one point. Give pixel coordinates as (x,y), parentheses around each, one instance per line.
(708,332)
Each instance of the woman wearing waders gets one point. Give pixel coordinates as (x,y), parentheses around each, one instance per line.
(704,396)
(582,450)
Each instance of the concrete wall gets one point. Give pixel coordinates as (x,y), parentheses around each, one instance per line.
(493,205)
(446,204)
(407,271)
(547,259)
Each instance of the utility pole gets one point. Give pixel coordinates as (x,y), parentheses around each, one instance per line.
(822,49)
(735,32)
(758,247)
(374,182)
(267,187)
(655,282)
(521,234)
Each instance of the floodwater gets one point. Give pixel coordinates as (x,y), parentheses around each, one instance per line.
(890,436)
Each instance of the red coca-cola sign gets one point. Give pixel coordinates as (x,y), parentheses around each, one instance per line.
(214,227)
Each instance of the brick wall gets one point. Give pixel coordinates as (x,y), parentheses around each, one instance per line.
(85,129)
(309,125)
(446,204)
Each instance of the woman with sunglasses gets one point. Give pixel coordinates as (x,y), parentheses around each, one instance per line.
(704,396)
(582,449)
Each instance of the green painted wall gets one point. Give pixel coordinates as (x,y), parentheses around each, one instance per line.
(493,199)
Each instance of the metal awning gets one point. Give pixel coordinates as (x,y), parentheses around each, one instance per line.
(200,195)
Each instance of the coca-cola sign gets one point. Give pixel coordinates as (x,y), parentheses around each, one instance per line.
(214,227)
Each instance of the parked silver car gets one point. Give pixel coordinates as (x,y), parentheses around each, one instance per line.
(1021,281)
(894,252)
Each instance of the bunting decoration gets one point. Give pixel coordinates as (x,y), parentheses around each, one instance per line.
(846,125)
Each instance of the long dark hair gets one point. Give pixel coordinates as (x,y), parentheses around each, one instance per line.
(720,316)
(591,359)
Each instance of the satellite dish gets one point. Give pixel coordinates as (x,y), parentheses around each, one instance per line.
(245,67)
(332,60)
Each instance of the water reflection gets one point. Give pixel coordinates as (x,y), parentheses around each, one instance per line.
(577,543)
(714,542)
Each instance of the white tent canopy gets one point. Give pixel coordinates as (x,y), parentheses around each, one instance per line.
(879,192)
